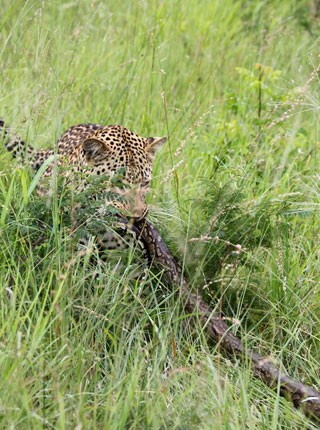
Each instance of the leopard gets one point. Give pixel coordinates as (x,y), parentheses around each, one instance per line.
(118,158)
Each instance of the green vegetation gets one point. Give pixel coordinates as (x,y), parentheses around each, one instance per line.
(234,84)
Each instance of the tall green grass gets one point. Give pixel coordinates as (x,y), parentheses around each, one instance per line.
(234,85)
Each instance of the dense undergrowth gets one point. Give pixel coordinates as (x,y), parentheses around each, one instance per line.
(234,85)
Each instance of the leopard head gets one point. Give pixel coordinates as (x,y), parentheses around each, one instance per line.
(117,151)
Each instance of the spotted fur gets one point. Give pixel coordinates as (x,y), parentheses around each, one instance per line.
(97,150)
(92,150)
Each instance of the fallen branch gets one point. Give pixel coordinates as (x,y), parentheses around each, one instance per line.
(302,396)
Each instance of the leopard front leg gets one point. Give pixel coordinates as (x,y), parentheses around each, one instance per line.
(118,235)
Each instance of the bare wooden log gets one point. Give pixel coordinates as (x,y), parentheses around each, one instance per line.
(302,396)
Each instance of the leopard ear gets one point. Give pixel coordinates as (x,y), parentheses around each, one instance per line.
(94,149)
(154,143)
